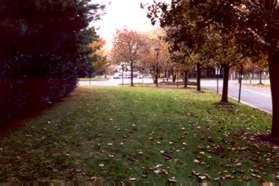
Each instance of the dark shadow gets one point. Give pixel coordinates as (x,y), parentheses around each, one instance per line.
(267,138)
(22,119)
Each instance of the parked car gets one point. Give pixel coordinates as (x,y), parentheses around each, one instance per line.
(116,76)
(141,76)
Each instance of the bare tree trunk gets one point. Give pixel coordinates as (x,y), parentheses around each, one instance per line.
(185,78)
(174,77)
(157,75)
(198,77)
(261,82)
(132,73)
(226,69)
(273,63)
(274,81)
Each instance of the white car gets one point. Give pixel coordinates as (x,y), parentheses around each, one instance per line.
(117,76)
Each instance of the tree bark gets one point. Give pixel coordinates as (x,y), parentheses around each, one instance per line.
(174,77)
(198,77)
(132,73)
(274,82)
(157,75)
(261,82)
(185,78)
(226,69)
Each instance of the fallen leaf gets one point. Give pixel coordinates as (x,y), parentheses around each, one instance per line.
(172,179)
(132,179)
(101,165)
(111,155)
(140,152)
(202,177)
(239,164)
(202,153)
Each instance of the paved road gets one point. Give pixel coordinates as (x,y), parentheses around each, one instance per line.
(113,82)
(259,97)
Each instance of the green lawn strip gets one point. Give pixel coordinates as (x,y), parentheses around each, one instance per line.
(97,78)
(142,134)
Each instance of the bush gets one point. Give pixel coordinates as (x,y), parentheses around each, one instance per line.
(43,51)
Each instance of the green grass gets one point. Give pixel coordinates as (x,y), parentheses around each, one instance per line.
(151,135)
(97,78)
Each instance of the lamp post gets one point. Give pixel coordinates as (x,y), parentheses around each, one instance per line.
(157,50)
(142,75)
(240,83)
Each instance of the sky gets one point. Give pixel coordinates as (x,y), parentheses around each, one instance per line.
(121,14)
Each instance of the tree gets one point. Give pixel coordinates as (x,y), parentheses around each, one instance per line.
(127,47)
(156,56)
(43,50)
(183,63)
(262,66)
(183,26)
(223,48)
(99,55)
(253,24)
(257,24)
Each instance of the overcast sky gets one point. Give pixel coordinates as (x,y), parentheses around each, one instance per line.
(121,14)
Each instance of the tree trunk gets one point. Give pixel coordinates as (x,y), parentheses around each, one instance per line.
(132,74)
(198,77)
(174,77)
(157,75)
(261,82)
(185,78)
(274,82)
(226,69)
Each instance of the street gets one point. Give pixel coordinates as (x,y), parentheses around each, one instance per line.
(259,97)
(255,96)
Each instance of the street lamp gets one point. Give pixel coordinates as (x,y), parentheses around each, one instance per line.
(157,50)
(240,83)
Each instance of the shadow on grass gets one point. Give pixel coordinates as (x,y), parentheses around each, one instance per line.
(24,118)
(141,135)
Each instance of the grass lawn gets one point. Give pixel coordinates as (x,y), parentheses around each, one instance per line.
(97,78)
(141,135)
